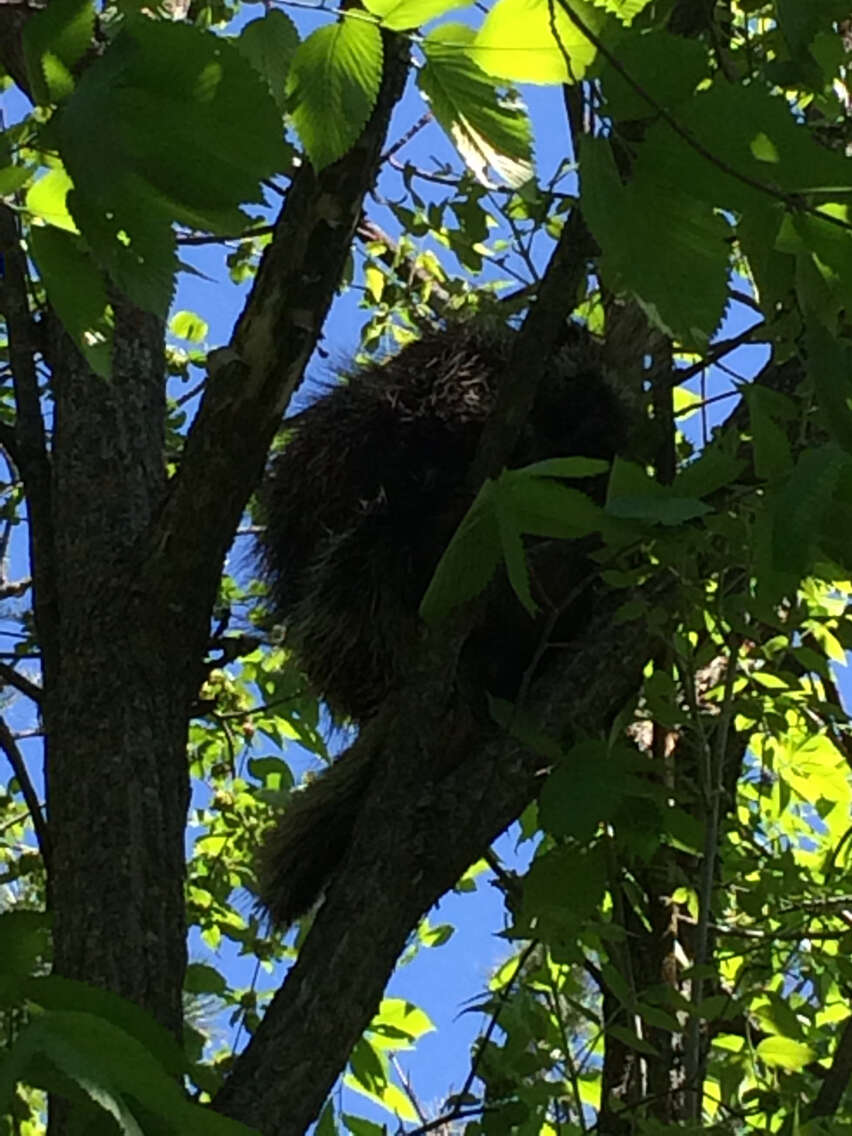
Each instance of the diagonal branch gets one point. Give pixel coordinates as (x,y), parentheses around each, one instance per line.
(29,447)
(253,378)
(19,768)
(444,786)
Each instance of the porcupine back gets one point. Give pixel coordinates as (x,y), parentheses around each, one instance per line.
(369,488)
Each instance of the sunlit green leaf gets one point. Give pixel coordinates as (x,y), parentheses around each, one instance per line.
(332,87)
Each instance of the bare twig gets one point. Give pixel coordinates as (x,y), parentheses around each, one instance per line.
(19,768)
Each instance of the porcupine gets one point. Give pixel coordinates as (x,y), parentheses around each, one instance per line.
(359,507)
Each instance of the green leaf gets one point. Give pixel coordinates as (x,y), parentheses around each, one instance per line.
(203,979)
(830,370)
(565,883)
(325,1124)
(469,561)
(333,85)
(359,1126)
(585,789)
(488,130)
(771,446)
(517,42)
(799,509)
(169,124)
(713,470)
(667,68)
(269,44)
(632,1040)
(784,1053)
(52,992)
(77,292)
(741,130)
(188,325)
(659,242)
(47,199)
(111,1068)
(663,510)
(625,10)
(565,467)
(512,547)
(401,1019)
(634,495)
(54,39)
(12,178)
(399,15)
(24,942)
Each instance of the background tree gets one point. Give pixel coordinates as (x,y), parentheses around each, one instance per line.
(682,930)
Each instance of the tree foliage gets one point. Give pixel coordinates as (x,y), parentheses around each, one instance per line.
(677,951)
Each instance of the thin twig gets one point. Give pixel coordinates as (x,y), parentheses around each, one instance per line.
(19,768)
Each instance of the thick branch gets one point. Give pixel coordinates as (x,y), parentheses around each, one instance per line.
(533,348)
(252,380)
(420,827)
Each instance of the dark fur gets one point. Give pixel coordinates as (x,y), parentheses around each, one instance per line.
(359,507)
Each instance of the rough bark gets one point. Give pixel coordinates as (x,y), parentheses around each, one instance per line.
(444,789)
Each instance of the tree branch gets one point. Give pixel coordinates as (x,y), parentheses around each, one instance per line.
(252,379)
(19,768)
(29,447)
(20,682)
(837,1080)
(444,785)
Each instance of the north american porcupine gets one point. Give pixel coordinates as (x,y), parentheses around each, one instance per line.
(368,490)
(359,506)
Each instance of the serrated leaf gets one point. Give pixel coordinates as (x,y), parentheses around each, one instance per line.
(516,41)
(77,292)
(713,470)
(133,178)
(54,39)
(772,456)
(399,15)
(333,85)
(785,1053)
(799,509)
(585,789)
(490,131)
(269,44)
(659,242)
(662,510)
(540,506)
